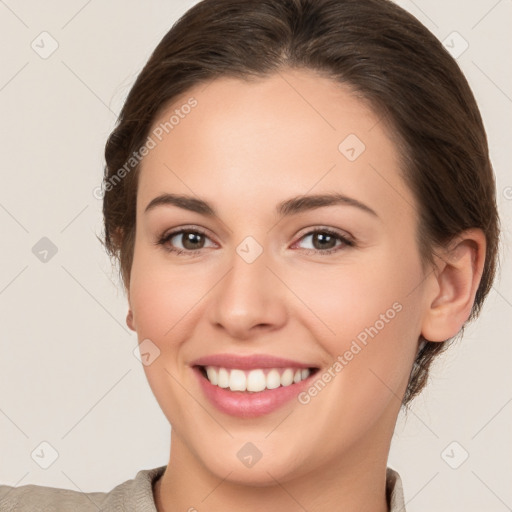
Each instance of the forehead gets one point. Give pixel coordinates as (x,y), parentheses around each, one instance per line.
(235,140)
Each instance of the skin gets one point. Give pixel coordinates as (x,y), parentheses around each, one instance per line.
(246,147)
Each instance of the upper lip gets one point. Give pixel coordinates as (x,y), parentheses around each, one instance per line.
(248,362)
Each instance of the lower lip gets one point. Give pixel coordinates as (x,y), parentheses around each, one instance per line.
(249,405)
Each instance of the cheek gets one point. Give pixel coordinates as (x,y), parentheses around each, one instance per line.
(161,299)
(348,298)
(367,316)
(160,292)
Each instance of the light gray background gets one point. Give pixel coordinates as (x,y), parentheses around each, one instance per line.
(68,375)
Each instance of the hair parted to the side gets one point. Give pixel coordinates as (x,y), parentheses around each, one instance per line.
(384,54)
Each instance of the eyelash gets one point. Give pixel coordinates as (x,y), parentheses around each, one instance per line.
(166,237)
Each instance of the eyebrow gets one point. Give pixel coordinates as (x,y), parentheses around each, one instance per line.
(292,206)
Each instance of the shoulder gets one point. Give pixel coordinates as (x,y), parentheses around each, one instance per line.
(394,491)
(37,498)
(134,495)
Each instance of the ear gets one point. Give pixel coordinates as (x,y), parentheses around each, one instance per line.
(129,320)
(455,281)
(129,317)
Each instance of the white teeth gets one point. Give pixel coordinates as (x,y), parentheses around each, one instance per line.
(287,377)
(255,380)
(237,380)
(212,375)
(223,378)
(273,379)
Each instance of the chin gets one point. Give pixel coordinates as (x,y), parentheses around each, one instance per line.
(259,466)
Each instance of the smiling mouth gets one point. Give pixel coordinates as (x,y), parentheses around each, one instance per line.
(254,380)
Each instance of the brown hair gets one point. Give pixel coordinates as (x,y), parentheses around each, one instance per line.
(384,54)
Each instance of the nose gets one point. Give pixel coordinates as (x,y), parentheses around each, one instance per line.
(248,300)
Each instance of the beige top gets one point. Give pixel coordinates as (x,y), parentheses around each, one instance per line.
(134,495)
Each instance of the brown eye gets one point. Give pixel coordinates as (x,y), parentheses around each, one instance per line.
(185,241)
(191,240)
(322,241)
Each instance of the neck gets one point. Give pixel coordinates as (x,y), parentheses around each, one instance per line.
(353,481)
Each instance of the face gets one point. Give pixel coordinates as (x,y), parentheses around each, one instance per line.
(334,284)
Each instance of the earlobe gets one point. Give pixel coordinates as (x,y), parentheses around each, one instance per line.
(129,320)
(457,278)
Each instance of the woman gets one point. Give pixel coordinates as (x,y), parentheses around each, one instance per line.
(300,197)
